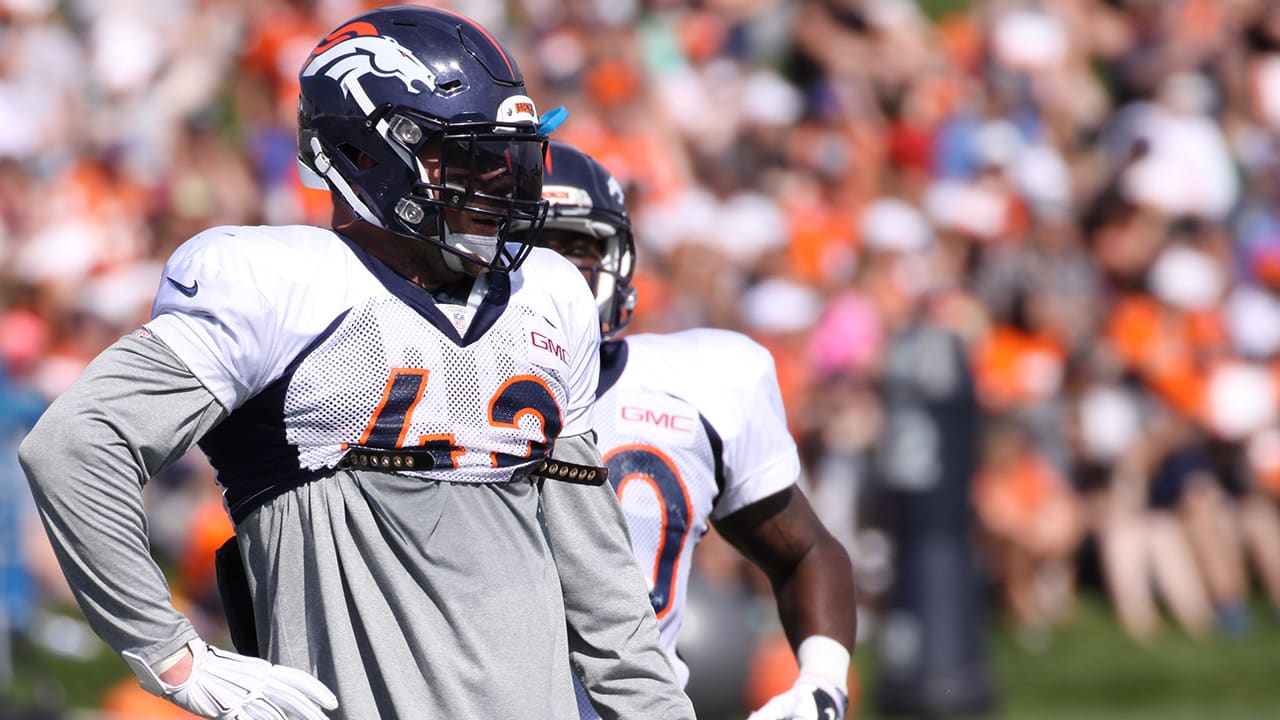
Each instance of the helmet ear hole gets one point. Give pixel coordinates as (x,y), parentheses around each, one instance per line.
(356,156)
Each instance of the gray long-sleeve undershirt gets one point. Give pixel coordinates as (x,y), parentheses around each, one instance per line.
(607,603)
(135,409)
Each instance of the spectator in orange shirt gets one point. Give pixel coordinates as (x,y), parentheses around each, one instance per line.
(1033,521)
(1174,339)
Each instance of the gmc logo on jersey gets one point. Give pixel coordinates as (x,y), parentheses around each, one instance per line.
(542,342)
(670,421)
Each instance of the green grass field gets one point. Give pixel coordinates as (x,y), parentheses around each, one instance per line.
(1091,671)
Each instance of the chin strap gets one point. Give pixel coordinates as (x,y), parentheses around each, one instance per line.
(454,262)
(483,247)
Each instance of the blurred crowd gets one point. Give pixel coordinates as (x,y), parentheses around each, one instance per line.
(1085,193)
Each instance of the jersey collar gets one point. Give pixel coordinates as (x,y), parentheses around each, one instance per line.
(489,308)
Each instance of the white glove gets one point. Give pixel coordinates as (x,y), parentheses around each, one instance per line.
(811,698)
(227,686)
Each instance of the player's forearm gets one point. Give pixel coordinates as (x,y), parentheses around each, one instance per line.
(86,460)
(817,596)
(614,645)
(808,568)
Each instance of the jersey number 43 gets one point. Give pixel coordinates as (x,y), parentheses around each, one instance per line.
(516,398)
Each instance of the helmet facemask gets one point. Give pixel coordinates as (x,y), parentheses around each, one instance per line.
(468,186)
(605,253)
(611,283)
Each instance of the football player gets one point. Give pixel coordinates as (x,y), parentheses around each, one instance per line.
(382,402)
(692,428)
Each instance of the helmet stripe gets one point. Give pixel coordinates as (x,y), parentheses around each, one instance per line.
(350,30)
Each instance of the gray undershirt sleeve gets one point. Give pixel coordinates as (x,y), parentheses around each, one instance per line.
(614,647)
(135,409)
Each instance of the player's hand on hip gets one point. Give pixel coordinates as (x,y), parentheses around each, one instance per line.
(811,698)
(227,686)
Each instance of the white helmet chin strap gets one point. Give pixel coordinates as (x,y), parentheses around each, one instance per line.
(454,263)
(484,248)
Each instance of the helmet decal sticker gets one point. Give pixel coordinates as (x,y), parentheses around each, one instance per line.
(355,57)
(569,200)
(349,30)
(615,190)
(518,109)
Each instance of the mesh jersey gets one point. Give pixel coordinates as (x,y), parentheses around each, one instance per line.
(692,427)
(313,345)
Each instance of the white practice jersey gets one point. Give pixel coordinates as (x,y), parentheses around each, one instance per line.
(316,347)
(692,427)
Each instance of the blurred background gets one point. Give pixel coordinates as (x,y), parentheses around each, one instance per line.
(1018,262)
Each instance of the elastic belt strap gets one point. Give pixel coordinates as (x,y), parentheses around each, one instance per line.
(571,472)
(388,460)
(421,459)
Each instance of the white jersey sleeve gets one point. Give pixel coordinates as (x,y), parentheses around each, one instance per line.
(692,428)
(221,299)
(733,383)
(578,321)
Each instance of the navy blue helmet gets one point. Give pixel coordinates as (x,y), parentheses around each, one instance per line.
(587,203)
(408,114)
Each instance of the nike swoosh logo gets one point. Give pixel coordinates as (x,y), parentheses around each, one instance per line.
(188,290)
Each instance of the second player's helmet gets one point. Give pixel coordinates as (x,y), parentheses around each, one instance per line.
(587,200)
(410,113)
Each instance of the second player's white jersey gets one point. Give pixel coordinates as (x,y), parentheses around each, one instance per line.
(692,427)
(315,347)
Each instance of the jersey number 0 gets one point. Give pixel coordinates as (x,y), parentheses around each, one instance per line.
(649,465)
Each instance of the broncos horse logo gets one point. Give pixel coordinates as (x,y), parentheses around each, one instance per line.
(353,51)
